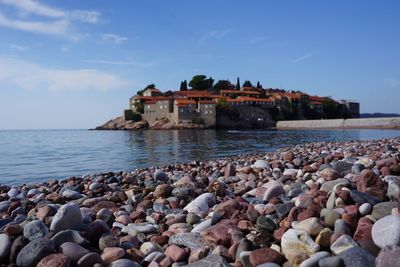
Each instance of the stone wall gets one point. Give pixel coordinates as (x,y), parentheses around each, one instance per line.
(370,123)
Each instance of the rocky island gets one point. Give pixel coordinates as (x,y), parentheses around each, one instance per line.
(319,204)
(224,105)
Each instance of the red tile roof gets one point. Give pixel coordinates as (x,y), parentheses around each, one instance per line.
(253,99)
(184,102)
(206,101)
(239,92)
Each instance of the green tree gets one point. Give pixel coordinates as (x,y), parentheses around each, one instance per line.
(183,86)
(247,84)
(237,84)
(200,82)
(259,85)
(222,85)
(331,109)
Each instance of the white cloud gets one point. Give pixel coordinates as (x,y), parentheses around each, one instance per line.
(52,20)
(25,75)
(304,57)
(58,27)
(117,39)
(18,47)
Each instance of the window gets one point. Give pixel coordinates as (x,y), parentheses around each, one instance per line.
(206,112)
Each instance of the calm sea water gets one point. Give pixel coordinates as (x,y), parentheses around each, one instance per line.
(28,156)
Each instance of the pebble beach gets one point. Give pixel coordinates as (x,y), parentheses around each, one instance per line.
(321,204)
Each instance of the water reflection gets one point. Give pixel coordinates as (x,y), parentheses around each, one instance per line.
(29,156)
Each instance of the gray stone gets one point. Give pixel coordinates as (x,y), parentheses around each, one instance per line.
(383,209)
(201,204)
(311,225)
(73,251)
(67,217)
(210,261)
(191,240)
(160,176)
(357,257)
(343,243)
(89,259)
(71,194)
(314,259)
(202,226)
(365,209)
(266,224)
(357,168)
(134,228)
(68,236)
(261,164)
(274,189)
(386,231)
(35,229)
(13,192)
(388,256)
(330,216)
(33,252)
(124,263)
(4,205)
(360,198)
(328,186)
(333,261)
(343,167)
(5,246)
(342,227)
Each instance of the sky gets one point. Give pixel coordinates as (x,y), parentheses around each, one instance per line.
(74,64)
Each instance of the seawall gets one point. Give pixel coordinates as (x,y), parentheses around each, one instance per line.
(367,123)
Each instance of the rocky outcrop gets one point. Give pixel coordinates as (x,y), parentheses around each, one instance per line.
(120,123)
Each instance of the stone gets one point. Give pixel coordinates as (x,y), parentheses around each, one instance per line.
(202,226)
(54,260)
(210,261)
(333,261)
(160,176)
(263,255)
(219,234)
(198,254)
(89,259)
(386,231)
(201,204)
(149,247)
(112,254)
(134,228)
(357,257)
(13,192)
(364,230)
(261,164)
(300,241)
(35,229)
(343,243)
(176,253)
(163,190)
(329,185)
(34,251)
(191,240)
(342,167)
(314,259)
(311,225)
(124,263)
(73,251)
(230,170)
(71,194)
(388,256)
(330,216)
(365,209)
(273,189)
(329,174)
(67,217)
(383,209)
(5,246)
(361,198)
(68,236)
(369,183)
(266,224)
(16,247)
(108,240)
(324,237)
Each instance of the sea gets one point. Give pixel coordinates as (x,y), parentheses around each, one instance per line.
(30,156)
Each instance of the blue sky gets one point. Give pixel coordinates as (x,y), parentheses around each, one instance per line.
(74,64)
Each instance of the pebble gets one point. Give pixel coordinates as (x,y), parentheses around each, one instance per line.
(300,241)
(341,244)
(5,246)
(73,251)
(33,252)
(365,209)
(386,231)
(388,256)
(35,229)
(314,259)
(67,217)
(124,263)
(383,209)
(54,260)
(201,204)
(310,225)
(357,257)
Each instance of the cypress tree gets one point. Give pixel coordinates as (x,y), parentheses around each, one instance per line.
(237,84)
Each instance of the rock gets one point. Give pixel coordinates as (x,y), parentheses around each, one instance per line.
(329,174)
(16,247)
(33,252)
(219,234)
(310,225)
(202,226)
(273,189)
(361,198)
(342,167)
(163,190)
(149,247)
(71,194)
(160,176)
(263,255)
(210,261)
(230,170)
(357,257)
(67,217)
(330,216)
(365,209)
(266,224)
(388,256)
(112,254)
(383,209)
(13,192)
(201,204)
(369,183)
(108,240)
(191,240)
(261,164)
(68,236)
(5,246)
(124,263)
(343,243)
(324,237)
(73,251)
(89,260)
(35,229)
(334,261)
(328,186)
(300,241)
(134,228)
(176,253)
(386,231)
(54,260)
(314,259)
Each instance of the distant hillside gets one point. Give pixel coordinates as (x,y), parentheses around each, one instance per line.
(378,115)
